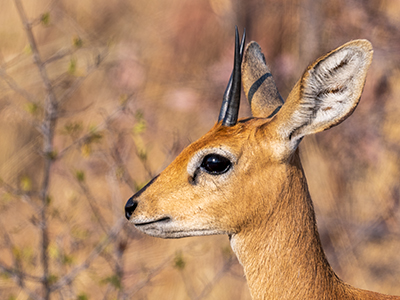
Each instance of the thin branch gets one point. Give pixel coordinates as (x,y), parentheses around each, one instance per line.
(15,87)
(135,289)
(112,234)
(85,137)
(35,52)
(65,113)
(77,83)
(59,55)
(188,285)
(221,273)
(73,27)
(108,291)
(31,294)
(47,128)
(120,163)
(94,206)
(13,61)
(18,274)
(21,194)
(155,271)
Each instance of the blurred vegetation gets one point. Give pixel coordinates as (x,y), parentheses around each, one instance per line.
(97,97)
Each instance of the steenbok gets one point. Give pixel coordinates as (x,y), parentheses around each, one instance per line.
(244,177)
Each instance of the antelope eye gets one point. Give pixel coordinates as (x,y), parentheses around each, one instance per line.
(215,164)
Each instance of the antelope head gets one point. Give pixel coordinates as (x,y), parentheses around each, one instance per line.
(236,173)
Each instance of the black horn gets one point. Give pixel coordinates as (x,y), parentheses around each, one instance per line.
(230,104)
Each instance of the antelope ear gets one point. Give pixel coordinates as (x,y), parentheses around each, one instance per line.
(258,84)
(327,93)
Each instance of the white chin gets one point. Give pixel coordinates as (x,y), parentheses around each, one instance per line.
(169,231)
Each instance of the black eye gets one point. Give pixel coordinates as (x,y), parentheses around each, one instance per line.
(215,164)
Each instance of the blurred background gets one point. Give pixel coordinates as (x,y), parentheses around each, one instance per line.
(97,97)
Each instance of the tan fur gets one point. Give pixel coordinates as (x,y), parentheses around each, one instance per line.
(262,202)
(266,96)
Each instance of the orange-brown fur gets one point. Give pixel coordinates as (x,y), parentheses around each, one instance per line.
(276,239)
(262,202)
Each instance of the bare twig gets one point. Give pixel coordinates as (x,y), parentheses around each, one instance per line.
(73,27)
(47,128)
(120,163)
(59,55)
(78,82)
(93,205)
(221,273)
(21,194)
(12,62)
(135,289)
(17,274)
(15,87)
(112,234)
(114,115)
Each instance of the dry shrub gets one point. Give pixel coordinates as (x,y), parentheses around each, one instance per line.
(137,81)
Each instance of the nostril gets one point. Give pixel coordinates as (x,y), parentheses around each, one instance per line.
(130,207)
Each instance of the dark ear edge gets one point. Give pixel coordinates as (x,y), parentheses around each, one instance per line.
(258,83)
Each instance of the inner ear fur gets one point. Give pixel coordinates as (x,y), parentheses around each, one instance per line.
(327,93)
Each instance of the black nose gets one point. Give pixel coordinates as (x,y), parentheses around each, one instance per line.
(130,207)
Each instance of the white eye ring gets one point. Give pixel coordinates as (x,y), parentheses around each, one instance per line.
(197,158)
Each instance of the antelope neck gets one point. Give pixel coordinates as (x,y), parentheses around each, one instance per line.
(281,253)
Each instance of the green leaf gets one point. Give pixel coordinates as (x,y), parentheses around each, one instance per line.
(53,251)
(72,66)
(73,128)
(45,19)
(79,234)
(120,172)
(139,186)
(179,262)
(26,183)
(94,135)
(139,127)
(17,253)
(123,98)
(114,280)
(48,199)
(139,115)
(52,154)
(28,49)
(6,197)
(32,108)
(82,296)
(77,42)
(142,154)
(5,275)
(80,175)
(52,279)
(86,150)
(67,260)
(227,252)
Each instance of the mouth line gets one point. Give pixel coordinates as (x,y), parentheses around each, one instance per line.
(165,219)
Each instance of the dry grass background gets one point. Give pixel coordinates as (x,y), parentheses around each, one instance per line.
(139,80)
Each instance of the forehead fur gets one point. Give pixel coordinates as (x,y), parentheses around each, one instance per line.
(229,138)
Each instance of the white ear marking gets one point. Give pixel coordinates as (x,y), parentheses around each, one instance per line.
(328,92)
